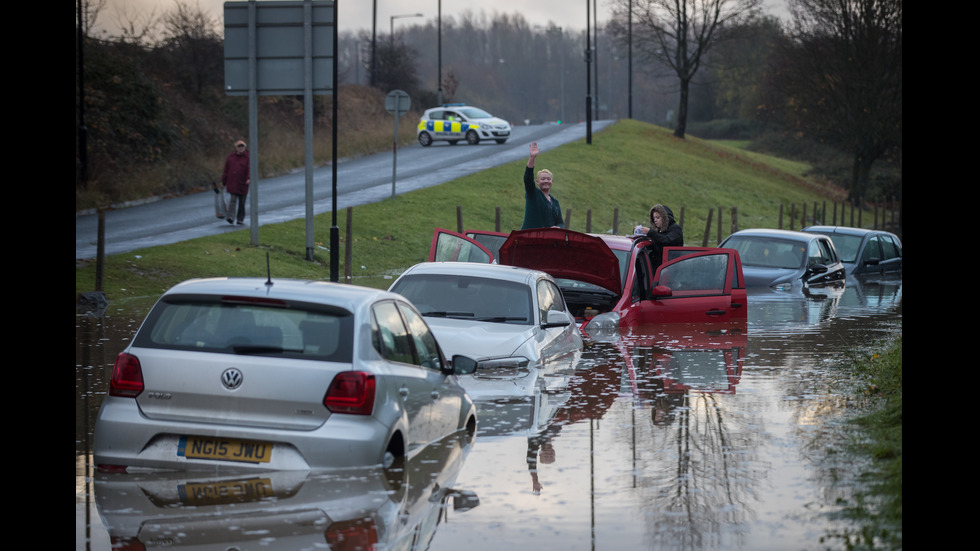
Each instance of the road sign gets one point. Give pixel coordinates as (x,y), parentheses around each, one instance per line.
(397,103)
(280,47)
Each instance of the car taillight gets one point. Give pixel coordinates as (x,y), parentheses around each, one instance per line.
(351,535)
(127,377)
(351,392)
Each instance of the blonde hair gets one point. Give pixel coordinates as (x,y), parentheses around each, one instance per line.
(543,171)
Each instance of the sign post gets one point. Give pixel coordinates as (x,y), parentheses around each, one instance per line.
(397,103)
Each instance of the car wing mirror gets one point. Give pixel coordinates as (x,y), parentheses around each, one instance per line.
(661,291)
(818,269)
(556,318)
(464,365)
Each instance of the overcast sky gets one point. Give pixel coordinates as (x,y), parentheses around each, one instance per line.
(356,14)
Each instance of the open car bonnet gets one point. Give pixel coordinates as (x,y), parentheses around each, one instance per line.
(563,254)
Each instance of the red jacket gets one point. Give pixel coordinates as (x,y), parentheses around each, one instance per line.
(235,176)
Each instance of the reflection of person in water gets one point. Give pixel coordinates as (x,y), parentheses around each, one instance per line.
(541,444)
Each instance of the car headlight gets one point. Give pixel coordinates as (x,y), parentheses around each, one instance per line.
(496,363)
(608,321)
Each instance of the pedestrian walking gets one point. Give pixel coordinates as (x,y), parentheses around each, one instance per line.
(236,180)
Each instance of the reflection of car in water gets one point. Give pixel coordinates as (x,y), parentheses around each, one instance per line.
(614,281)
(345,509)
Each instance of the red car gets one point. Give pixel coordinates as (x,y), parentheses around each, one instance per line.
(612,281)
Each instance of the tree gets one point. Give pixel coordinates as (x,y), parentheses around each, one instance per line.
(192,43)
(679,33)
(841,73)
(395,67)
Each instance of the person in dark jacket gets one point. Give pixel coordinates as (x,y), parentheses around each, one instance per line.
(541,209)
(235,178)
(664,230)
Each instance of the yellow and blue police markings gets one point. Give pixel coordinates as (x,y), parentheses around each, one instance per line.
(454,127)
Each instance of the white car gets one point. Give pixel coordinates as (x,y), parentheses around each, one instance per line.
(455,121)
(500,316)
(266,374)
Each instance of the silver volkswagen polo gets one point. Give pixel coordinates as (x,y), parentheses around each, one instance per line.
(278,374)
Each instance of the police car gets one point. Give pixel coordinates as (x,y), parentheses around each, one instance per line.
(456,121)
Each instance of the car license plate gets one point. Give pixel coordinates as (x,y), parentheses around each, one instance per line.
(224,492)
(224,449)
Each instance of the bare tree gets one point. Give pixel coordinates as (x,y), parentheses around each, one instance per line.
(842,77)
(679,33)
(193,41)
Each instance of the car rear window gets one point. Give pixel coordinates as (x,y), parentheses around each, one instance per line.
(238,326)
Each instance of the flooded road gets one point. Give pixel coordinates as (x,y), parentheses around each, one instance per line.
(669,439)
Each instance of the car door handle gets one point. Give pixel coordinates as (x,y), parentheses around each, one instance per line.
(716,312)
(435,394)
(403,391)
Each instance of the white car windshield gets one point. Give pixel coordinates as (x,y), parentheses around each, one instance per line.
(474,113)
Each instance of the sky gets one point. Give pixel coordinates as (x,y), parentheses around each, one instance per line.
(355,15)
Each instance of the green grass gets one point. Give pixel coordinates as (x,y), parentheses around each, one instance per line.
(876,506)
(630,166)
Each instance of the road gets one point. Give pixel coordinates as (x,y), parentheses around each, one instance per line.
(359,181)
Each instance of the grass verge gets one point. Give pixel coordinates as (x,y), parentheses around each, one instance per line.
(876,507)
(629,167)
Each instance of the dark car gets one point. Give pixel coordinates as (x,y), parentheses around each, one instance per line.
(784,260)
(864,251)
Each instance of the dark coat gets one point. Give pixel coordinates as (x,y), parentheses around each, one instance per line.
(235,176)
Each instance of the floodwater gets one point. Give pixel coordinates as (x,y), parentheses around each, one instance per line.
(671,439)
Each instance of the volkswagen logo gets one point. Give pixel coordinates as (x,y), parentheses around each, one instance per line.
(232,378)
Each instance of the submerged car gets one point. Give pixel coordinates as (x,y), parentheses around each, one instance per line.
(611,281)
(456,121)
(258,373)
(495,314)
(784,260)
(864,251)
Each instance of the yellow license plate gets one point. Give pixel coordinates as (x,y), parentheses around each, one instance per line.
(227,491)
(224,449)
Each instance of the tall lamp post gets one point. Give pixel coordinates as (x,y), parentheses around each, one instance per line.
(439,49)
(393,17)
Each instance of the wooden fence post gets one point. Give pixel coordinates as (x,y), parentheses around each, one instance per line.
(496,224)
(588,221)
(707,229)
(734,227)
(348,241)
(459,219)
(780,216)
(719,226)
(615,228)
(568,219)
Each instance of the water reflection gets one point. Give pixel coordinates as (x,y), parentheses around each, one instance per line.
(398,508)
(699,438)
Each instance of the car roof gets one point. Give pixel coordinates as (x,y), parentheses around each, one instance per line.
(343,295)
(777,234)
(478,269)
(842,230)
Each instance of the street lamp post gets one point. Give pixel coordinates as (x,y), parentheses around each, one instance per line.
(439,49)
(393,17)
